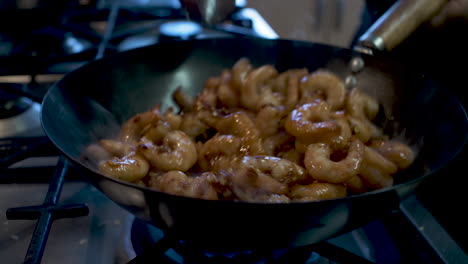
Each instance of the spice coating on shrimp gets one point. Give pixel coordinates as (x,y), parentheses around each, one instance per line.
(177,152)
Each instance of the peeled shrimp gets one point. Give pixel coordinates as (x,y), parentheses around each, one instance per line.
(376,170)
(183,100)
(240,70)
(240,125)
(311,123)
(321,167)
(177,183)
(398,153)
(193,126)
(217,148)
(250,91)
(364,129)
(177,152)
(356,184)
(131,130)
(324,83)
(361,105)
(130,168)
(250,186)
(274,144)
(268,120)
(116,148)
(227,94)
(279,169)
(317,191)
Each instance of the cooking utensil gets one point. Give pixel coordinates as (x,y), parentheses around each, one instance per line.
(90,104)
(208,11)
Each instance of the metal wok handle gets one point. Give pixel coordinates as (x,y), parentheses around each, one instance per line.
(402,19)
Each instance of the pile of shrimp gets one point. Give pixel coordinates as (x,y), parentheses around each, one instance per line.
(257,135)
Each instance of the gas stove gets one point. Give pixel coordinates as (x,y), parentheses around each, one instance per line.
(51,215)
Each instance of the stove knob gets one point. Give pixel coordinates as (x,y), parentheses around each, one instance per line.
(179,30)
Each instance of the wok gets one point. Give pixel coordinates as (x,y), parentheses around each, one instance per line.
(91,102)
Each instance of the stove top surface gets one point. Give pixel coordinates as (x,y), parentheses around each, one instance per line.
(28,68)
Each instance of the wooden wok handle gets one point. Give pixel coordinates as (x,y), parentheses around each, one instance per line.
(402,19)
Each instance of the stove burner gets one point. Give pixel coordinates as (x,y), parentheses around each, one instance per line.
(19,116)
(151,245)
(179,30)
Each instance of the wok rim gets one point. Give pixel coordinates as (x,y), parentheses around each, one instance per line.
(76,160)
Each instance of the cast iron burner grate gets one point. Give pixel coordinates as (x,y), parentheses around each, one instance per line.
(46,213)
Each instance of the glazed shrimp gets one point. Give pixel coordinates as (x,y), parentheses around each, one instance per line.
(217,148)
(319,165)
(376,169)
(342,139)
(183,100)
(361,105)
(250,186)
(177,152)
(317,192)
(268,120)
(279,169)
(227,94)
(132,129)
(272,145)
(364,129)
(240,125)
(356,184)
(250,91)
(193,126)
(177,183)
(116,148)
(311,123)
(240,70)
(129,168)
(327,84)
(398,153)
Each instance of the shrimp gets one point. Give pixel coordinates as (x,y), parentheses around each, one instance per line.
(251,186)
(311,123)
(317,191)
(274,144)
(207,98)
(319,165)
(193,126)
(376,169)
(177,152)
(291,155)
(240,125)
(364,129)
(129,168)
(116,148)
(177,183)
(240,71)
(174,120)
(327,84)
(282,170)
(292,87)
(227,95)
(183,100)
(131,130)
(217,148)
(341,140)
(268,120)
(361,105)
(250,91)
(398,153)
(356,184)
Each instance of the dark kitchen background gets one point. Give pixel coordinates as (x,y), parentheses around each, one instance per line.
(42,40)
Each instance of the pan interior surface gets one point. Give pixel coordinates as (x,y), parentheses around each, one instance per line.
(92,102)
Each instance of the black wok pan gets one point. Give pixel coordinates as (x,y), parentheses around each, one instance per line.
(90,104)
